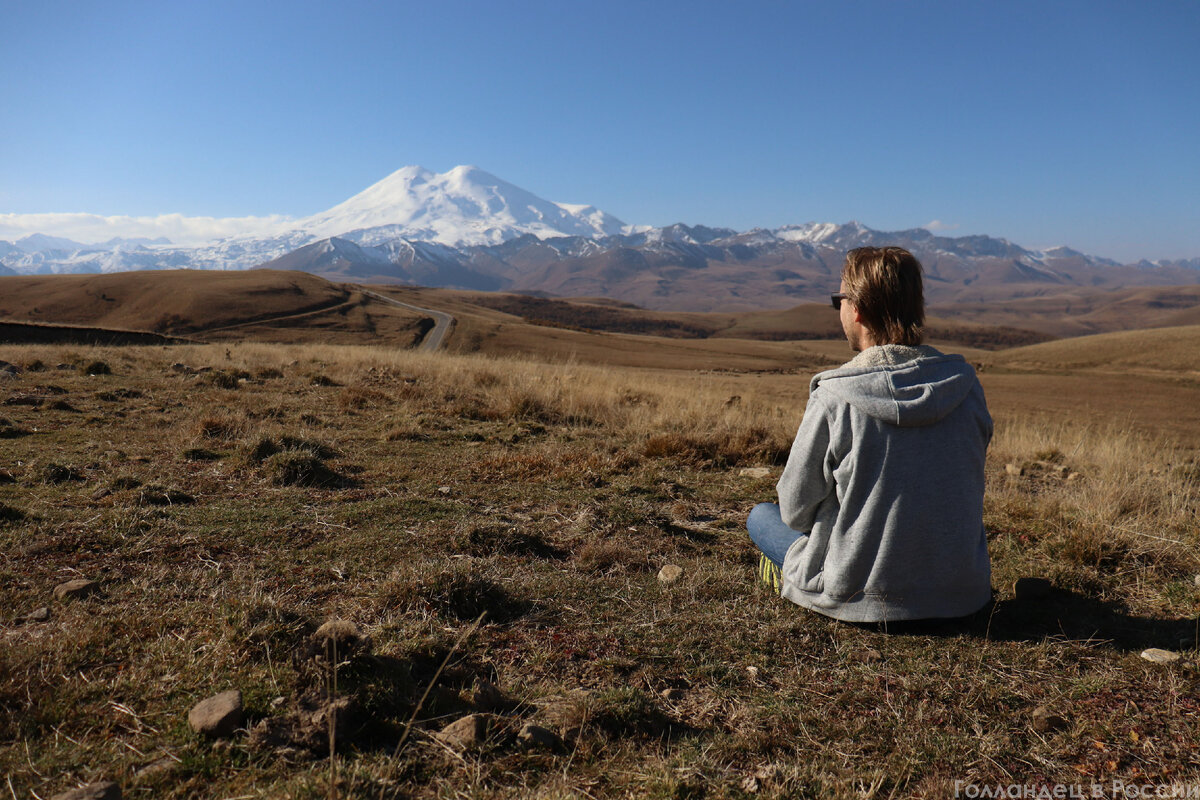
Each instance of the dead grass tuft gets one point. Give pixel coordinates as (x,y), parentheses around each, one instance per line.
(124,482)
(457,593)
(357,398)
(612,554)
(222,426)
(154,495)
(10,430)
(488,540)
(627,711)
(222,379)
(57,473)
(723,447)
(10,514)
(267,446)
(200,454)
(301,468)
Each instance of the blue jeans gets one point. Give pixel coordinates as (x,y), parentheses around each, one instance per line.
(769,533)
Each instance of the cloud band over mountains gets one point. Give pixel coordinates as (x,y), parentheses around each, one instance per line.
(181,230)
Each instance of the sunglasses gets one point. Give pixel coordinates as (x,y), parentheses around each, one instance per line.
(836,299)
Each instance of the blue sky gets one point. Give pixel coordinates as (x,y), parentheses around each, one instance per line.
(1046,123)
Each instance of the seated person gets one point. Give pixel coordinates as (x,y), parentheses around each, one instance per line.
(880,514)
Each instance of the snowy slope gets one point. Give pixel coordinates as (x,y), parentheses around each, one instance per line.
(465,206)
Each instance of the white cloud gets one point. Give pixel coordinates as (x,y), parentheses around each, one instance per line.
(92,228)
(937,226)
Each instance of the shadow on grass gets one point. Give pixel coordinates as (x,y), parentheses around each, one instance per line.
(1061,615)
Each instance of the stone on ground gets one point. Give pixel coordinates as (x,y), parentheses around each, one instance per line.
(38,615)
(103,790)
(1044,720)
(162,766)
(465,733)
(755,472)
(80,587)
(535,736)
(487,696)
(218,716)
(1158,656)
(669,574)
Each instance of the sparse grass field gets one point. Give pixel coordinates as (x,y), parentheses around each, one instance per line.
(232,504)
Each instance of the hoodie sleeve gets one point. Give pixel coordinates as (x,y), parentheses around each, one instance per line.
(808,477)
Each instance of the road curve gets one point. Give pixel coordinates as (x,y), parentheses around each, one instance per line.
(442,321)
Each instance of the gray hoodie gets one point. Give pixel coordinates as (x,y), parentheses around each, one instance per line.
(886,477)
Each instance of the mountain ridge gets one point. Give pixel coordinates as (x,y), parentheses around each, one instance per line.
(469,229)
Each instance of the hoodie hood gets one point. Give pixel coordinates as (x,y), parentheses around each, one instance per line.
(905,386)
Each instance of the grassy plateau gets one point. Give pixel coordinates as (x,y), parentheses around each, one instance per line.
(492,533)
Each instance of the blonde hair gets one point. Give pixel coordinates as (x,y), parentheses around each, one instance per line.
(885,286)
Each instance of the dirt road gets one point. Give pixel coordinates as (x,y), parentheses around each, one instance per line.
(442,321)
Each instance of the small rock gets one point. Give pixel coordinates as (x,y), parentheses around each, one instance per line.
(536,736)
(465,733)
(755,782)
(80,587)
(103,790)
(278,701)
(162,766)
(1157,656)
(1196,581)
(1013,469)
(1032,588)
(755,472)
(669,574)
(444,489)
(1044,720)
(487,696)
(218,716)
(38,615)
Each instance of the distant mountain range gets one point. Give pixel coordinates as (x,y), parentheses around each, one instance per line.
(468,229)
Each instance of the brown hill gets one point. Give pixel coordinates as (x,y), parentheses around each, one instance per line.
(808,321)
(178,301)
(265,305)
(1076,311)
(1170,350)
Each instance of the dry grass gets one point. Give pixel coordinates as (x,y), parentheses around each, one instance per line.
(546,497)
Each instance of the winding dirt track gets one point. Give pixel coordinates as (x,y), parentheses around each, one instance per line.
(442,321)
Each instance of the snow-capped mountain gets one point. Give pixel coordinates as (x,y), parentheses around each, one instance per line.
(465,206)
(462,207)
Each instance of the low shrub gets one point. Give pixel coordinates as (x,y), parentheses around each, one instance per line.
(301,468)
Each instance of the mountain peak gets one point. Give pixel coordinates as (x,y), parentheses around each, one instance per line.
(463,206)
